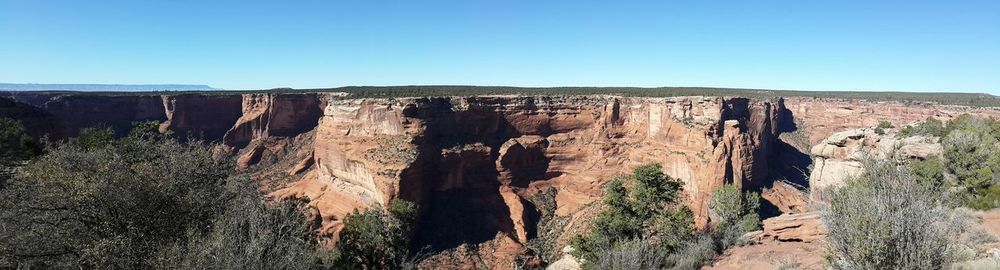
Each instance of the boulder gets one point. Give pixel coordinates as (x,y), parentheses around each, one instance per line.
(566,262)
(802,227)
(839,156)
(787,198)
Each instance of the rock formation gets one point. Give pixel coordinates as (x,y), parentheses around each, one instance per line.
(786,197)
(470,163)
(802,227)
(839,156)
(474,164)
(821,117)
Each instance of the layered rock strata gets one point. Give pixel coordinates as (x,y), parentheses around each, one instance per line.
(471,163)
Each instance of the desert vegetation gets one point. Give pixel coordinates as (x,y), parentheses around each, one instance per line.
(149,201)
(885,219)
(153,201)
(17,147)
(970,164)
(642,225)
(914,214)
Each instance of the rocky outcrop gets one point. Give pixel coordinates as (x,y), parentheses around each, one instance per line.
(471,163)
(786,197)
(234,119)
(839,156)
(264,115)
(205,117)
(76,112)
(802,227)
(821,117)
(566,262)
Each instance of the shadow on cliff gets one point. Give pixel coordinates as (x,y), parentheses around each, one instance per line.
(36,121)
(789,160)
(456,182)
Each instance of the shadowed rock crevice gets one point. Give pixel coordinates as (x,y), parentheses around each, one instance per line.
(462,201)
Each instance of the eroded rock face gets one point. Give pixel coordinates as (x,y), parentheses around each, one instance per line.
(200,116)
(839,156)
(471,163)
(823,117)
(787,198)
(802,227)
(116,112)
(264,115)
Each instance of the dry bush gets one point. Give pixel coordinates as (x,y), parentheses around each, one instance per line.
(883,219)
(693,254)
(631,254)
(787,264)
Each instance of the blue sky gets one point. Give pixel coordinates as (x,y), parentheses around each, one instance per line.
(794,44)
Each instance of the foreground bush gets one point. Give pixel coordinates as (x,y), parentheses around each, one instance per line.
(643,206)
(642,225)
(251,234)
(969,155)
(109,205)
(736,214)
(631,254)
(15,147)
(971,159)
(884,219)
(378,238)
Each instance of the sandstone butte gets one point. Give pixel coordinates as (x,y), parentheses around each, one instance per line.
(497,171)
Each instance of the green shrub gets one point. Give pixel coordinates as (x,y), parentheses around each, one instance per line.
(929,172)
(15,144)
(929,127)
(95,138)
(885,124)
(985,198)
(377,238)
(735,214)
(693,254)
(879,131)
(109,204)
(15,147)
(251,234)
(969,156)
(631,254)
(642,205)
(884,219)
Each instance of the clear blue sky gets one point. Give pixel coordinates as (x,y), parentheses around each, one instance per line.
(794,44)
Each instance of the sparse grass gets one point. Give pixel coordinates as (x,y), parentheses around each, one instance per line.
(391,150)
(787,263)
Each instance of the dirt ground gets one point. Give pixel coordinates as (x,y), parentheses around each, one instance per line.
(770,255)
(773,254)
(991,220)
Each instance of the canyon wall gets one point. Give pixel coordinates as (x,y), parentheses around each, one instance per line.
(821,117)
(473,163)
(481,169)
(211,117)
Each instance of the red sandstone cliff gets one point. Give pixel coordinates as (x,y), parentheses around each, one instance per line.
(472,163)
(476,165)
(823,117)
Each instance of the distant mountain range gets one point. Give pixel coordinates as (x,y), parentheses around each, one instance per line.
(103,87)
